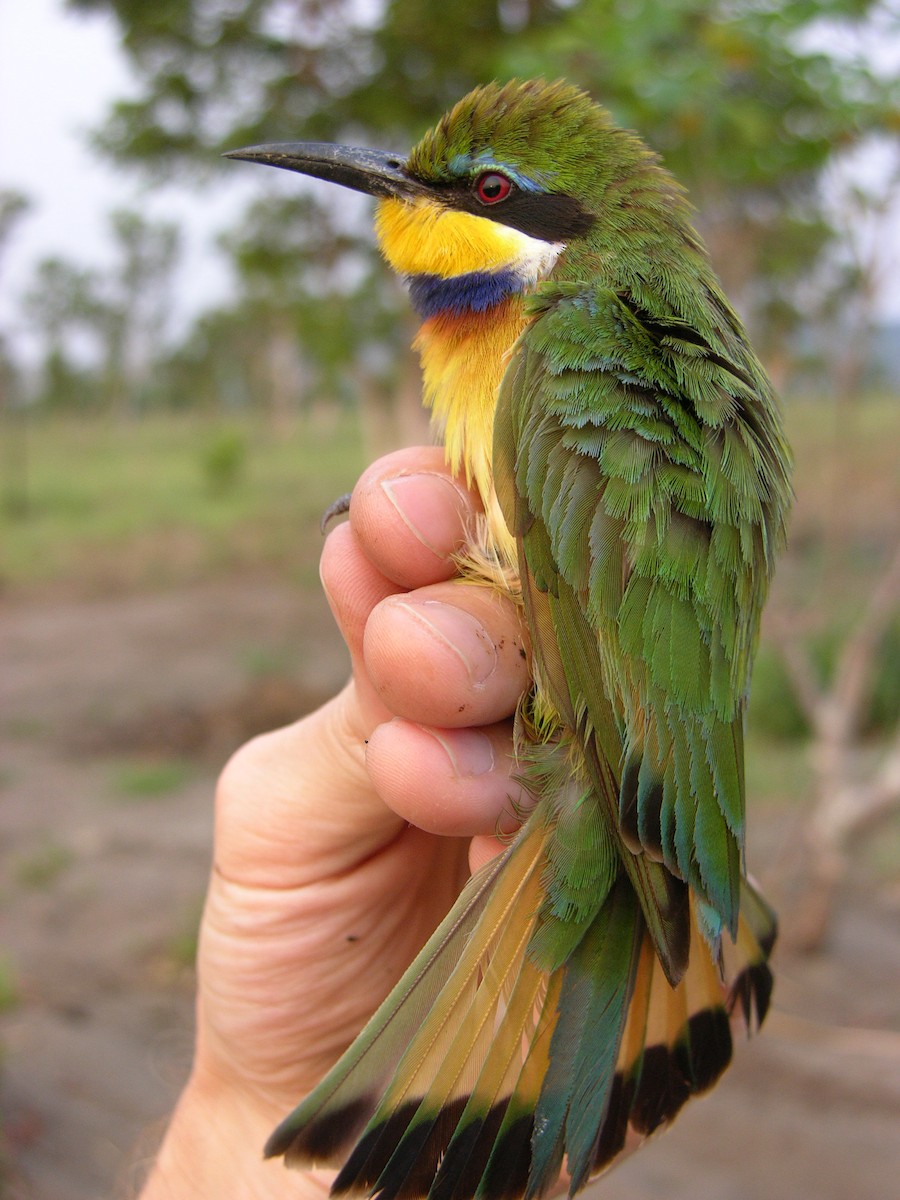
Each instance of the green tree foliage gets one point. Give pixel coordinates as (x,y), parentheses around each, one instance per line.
(13,441)
(325,287)
(132,315)
(13,206)
(62,304)
(749,101)
(218,74)
(102,331)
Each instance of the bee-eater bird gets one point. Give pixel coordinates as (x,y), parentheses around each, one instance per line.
(593,383)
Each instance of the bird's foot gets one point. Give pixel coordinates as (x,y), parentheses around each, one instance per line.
(337,508)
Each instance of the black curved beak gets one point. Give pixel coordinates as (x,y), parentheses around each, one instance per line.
(375,172)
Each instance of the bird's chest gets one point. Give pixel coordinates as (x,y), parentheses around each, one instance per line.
(464,357)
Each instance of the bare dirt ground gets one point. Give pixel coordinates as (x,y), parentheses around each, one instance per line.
(104,849)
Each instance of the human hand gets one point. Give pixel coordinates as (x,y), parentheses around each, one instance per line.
(342,840)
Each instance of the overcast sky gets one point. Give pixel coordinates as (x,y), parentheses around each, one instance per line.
(58,75)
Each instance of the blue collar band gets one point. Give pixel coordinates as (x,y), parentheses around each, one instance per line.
(476,291)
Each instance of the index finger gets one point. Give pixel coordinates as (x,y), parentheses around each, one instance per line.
(411,516)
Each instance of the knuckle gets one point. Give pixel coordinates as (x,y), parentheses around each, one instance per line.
(242,773)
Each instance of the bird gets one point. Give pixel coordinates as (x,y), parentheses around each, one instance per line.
(591,381)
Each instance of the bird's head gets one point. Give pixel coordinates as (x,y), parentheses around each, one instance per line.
(506,179)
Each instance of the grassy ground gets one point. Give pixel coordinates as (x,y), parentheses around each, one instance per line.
(97,508)
(94,507)
(847,514)
(160,604)
(163,500)
(152,500)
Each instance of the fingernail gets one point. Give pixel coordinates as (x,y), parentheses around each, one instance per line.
(433,501)
(470,752)
(459,631)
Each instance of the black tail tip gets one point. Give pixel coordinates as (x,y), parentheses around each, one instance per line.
(320,1138)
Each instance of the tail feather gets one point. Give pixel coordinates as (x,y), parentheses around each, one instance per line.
(487,1085)
(489,1159)
(327,1124)
(482,1035)
(677,1042)
(508,1161)
(746,960)
(593,1009)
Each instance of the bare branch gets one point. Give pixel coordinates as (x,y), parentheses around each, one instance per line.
(849,799)
(857,658)
(854,807)
(799,666)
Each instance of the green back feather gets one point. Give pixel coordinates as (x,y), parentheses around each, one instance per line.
(651,477)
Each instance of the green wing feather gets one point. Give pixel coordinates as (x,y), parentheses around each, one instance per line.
(647,490)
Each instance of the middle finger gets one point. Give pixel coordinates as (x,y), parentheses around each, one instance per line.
(450,655)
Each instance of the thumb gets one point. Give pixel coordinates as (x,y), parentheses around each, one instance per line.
(297,805)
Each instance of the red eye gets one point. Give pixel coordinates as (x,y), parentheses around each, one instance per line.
(492,187)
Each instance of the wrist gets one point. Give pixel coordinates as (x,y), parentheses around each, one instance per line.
(212,1150)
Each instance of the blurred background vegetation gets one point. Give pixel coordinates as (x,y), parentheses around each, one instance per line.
(141,454)
(137,452)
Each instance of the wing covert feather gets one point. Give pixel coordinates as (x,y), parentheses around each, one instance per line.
(634,463)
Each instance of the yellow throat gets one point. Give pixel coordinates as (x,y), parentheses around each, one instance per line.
(464,350)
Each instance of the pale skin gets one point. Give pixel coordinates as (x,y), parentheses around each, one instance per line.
(341,840)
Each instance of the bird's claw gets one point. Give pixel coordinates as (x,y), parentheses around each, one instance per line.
(336,508)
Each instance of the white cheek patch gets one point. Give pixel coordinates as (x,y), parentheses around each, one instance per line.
(536,258)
